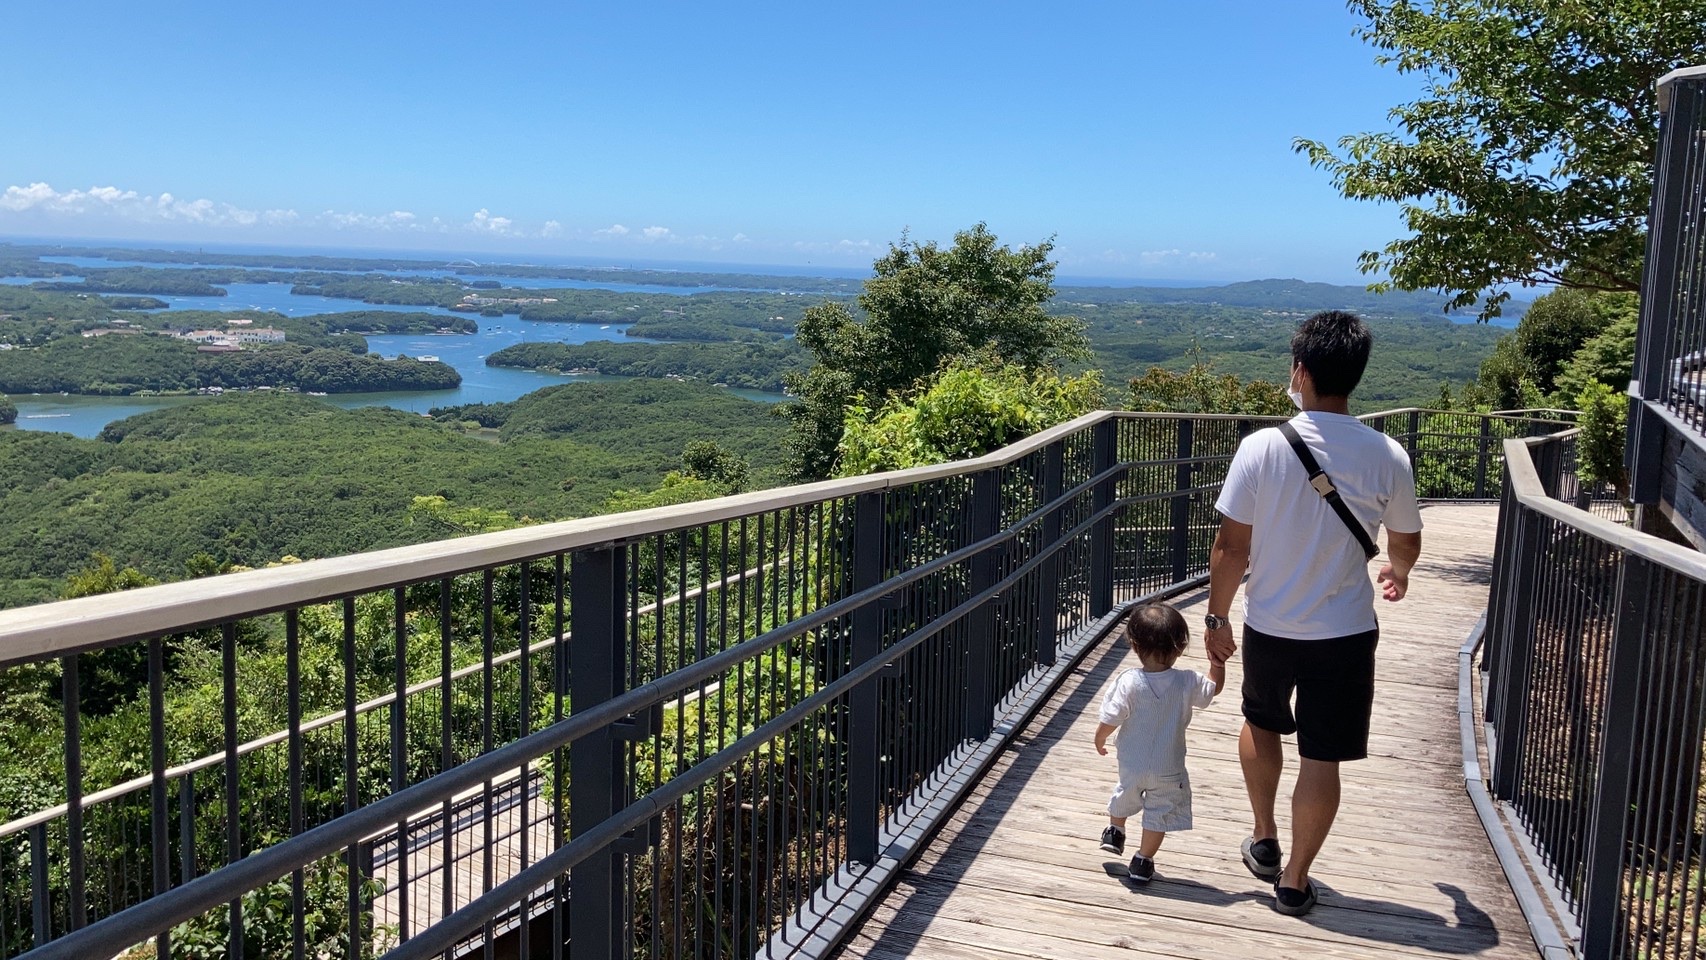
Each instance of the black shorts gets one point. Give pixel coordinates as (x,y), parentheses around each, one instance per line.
(1334,682)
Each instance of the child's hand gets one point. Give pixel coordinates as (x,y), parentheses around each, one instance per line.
(1102,748)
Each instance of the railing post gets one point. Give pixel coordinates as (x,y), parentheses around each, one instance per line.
(1492,636)
(598,660)
(1103,453)
(1601,899)
(1482,456)
(1667,223)
(1549,464)
(41,907)
(1048,606)
(1517,655)
(1179,539)
(863,702)
(981,641)
(1413,438)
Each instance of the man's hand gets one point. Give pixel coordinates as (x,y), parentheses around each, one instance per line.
(1393,585)
(1219,644)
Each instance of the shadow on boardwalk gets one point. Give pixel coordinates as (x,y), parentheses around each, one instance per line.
(1408,871)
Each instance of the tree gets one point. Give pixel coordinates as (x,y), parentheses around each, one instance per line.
(707,460)
(8,410)
(1528,156)
(969,409)
(923,306)
(1567,338)
(1200,390)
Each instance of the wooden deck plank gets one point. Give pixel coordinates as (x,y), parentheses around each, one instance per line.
(1408,871)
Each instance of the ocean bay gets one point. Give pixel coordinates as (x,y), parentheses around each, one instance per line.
(84,416)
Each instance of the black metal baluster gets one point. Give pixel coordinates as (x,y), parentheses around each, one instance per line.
(233,808)
(160,815)
(293,718)
(399,757)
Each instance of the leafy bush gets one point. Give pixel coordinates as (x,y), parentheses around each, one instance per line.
(1599,451)
(966,411)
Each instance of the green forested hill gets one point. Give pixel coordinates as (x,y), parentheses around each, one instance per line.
(251,478)
(1412,357)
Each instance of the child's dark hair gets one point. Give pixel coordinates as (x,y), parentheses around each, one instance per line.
(1157,632)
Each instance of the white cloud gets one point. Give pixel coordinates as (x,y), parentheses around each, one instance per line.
(1176,255)
(43,199)
(658,233)
(614,230)
(741,238)
(395,220)
(484,222)
(551,229)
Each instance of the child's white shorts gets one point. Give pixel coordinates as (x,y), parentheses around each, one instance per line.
(1164,800)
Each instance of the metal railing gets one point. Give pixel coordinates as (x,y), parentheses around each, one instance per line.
(1595,664)
(694,731)
(1669,389)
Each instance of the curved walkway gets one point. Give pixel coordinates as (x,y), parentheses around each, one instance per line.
(1408,870)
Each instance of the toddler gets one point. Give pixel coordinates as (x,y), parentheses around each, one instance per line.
(1146,710)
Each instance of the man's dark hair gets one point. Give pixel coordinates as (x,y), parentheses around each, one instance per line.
(1158,632)
(1333,346)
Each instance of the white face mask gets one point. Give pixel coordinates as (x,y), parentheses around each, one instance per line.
(1295,394)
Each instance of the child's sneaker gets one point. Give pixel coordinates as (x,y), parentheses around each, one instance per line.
(1113,839)
(1142,869)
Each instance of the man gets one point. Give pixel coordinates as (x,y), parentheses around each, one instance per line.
(1309,621)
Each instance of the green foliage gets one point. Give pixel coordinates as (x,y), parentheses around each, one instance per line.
(707,460)
(1599,450)
(176,283)
(1608,357)
(122,365)
(924,305)
(675,489)
(1568,339)
(966,411)
(755,366)
(245,479)
(269,926)
(1200,390)
(8,410)
(1553,330)
(1527,158)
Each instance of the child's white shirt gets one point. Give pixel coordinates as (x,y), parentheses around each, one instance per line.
(1152,711)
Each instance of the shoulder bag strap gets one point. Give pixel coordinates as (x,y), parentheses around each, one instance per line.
(1324,486)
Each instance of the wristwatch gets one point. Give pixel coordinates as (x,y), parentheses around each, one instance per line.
(1215,623)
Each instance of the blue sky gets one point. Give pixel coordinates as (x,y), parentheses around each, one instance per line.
(1151,137)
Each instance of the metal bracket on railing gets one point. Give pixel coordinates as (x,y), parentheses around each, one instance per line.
(635,843)
(893,600)
(639,726)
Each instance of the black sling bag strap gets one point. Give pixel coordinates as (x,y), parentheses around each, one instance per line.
(1324,486)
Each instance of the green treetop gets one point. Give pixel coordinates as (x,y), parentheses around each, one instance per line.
(925,305)
(1528,156)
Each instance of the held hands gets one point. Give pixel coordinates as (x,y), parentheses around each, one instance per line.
(1219,644)
(1393,585)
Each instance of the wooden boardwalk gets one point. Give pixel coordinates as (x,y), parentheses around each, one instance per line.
(1407,871)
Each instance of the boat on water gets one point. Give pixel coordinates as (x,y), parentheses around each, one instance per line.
(316,393)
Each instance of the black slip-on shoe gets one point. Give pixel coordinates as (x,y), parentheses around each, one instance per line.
(1295,903)
(1262,858)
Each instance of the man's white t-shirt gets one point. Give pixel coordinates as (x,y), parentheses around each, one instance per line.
(1309,579)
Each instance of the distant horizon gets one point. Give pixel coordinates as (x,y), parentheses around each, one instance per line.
(490,258)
